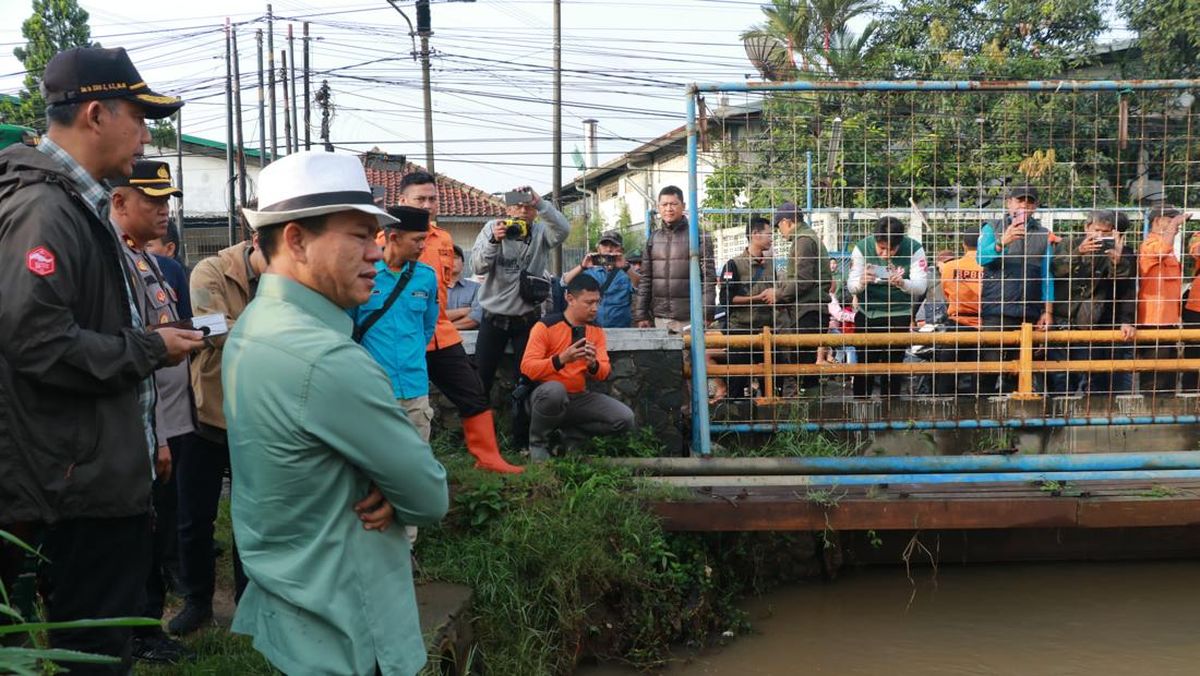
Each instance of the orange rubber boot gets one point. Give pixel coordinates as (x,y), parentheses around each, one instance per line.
(480,432)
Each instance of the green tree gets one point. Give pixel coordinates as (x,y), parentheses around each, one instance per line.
(54,26)
(816,33)
(162,133)
(986,38)
(1168,34)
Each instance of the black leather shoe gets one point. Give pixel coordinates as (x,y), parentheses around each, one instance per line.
(159,649)
(192,617)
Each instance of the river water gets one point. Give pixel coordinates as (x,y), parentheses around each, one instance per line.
(1061,619)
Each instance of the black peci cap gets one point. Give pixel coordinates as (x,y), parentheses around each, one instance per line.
(94,73)
(151,177)
(408,218)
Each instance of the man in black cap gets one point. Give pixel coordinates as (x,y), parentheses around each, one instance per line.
(801,297)
(141,213)
(616,277)
(76,354)
(1018,285)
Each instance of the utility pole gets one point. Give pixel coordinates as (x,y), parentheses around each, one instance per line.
(556,263)
(229,129)
(287,113)
(307,96)
(324,101)
(292,84)
(271,81)
(181,252)
(424,31)
(237,124)
(262,110)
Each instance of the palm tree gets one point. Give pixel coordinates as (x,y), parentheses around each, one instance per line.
(814,30)
(848,54)
(831,16)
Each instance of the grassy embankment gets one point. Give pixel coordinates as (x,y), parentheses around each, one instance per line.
(566,564)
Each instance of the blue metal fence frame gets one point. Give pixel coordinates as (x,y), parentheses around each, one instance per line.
(701,427)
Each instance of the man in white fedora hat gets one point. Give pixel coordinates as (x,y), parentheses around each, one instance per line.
(313,426)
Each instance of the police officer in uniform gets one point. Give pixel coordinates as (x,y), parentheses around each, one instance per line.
(140,212)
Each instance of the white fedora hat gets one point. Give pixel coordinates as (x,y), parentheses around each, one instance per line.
(312,183)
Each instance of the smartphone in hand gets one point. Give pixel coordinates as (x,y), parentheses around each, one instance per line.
(578,333)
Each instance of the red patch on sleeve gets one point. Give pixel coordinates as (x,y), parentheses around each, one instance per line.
(40,261)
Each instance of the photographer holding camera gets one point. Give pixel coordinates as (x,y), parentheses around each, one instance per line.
(511,255)
(616,277)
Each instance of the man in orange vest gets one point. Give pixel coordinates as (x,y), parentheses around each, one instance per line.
(960,280)
(1160,291)
(450,368)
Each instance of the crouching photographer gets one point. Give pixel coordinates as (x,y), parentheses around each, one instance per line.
(616,277)
(511,255)
(565,352)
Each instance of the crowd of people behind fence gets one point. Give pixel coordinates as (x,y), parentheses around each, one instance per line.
(298,364)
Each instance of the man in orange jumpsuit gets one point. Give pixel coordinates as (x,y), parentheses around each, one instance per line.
(450,369)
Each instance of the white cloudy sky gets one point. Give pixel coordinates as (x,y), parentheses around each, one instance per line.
(626,63)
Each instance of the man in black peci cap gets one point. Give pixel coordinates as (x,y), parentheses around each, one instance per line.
(77,355)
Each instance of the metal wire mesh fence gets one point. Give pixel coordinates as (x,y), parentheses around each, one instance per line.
(899,254)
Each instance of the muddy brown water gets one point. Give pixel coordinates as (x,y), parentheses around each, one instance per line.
(1063,619)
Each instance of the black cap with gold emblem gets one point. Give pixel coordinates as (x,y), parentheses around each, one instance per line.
(95,73)
(151,177)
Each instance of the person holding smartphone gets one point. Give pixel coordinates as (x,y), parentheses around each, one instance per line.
(617,280)
(1095,287)
(565,352)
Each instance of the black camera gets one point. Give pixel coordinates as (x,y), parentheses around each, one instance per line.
(515,228)
(603,260)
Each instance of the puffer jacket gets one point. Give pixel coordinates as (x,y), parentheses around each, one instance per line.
(664,287)
(72,437)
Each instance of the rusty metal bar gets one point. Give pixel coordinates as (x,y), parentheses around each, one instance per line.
(1053,86)
(954,367)
(968,338)
(1025,366)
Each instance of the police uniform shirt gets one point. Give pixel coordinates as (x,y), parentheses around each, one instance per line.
(156,301)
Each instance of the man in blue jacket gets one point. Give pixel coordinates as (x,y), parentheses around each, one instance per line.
(395,330)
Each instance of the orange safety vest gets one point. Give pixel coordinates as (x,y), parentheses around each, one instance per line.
(1160,283)
(439,255)
(961,280)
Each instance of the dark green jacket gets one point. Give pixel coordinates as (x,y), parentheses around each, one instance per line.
(1089,291)
(747,276)
(806,279)
(72,438)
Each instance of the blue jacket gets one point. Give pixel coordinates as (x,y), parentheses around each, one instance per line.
(616,303)
(397,341)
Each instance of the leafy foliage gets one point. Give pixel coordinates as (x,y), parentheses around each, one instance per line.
(1168,34)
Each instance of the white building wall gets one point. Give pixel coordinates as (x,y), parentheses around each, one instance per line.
(205,192)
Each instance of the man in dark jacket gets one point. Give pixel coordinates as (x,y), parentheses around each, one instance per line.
(1018,286)
(1095,287)
(76,394)
(663,292)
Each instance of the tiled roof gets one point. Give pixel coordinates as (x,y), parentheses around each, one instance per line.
(455,198)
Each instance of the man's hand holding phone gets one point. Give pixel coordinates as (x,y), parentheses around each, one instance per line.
(574,352)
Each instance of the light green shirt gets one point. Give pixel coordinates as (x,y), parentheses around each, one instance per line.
(312,423)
